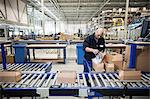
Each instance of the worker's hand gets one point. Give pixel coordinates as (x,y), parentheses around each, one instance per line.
(95,51)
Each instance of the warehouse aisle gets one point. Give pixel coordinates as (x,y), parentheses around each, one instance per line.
(71,65)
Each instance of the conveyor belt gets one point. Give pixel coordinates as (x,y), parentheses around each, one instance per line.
(29,67)
(106,84)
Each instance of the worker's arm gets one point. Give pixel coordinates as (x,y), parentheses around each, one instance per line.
(88,49)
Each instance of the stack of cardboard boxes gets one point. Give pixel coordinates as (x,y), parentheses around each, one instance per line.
(142,64)
(109,63)
(115,61)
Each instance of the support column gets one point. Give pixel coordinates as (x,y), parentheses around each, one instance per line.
(43,18)
(55,27)
(6,33)
(126,18)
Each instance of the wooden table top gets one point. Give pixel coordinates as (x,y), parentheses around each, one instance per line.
(47,46)
(115,45)
(137,42)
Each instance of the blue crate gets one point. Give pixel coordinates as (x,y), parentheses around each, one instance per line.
(20,53)
(80,53)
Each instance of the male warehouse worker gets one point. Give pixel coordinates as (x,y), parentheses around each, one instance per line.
(92,45)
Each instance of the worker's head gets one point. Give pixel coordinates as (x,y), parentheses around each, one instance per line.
(99,33)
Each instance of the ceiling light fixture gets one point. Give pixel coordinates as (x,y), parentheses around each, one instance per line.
(46,9)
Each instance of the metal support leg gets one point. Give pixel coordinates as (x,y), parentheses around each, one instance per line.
(33,53)
(28,53)
(89,97)
(64,50)
(132,56)
(3,56)
(11,50)
(130,97)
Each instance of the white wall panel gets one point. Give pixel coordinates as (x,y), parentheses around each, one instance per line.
(14,11)
(11,13)
(13,4)
(2,8)
(22,12)
(49,27)
(24,18)
(74,28)
(62,26)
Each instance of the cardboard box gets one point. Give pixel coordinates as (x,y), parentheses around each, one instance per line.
(143,60)
(10,58)
(116,59)
(108,58)
(127,53)
(109,67)
(98,67)
(10,76)
(130,75)
(66,77)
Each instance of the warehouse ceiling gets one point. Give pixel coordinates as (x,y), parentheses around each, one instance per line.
(84,10)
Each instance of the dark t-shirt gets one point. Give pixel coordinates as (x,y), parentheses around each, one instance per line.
(91,43)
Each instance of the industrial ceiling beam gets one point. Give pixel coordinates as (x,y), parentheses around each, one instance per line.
(57,7)
(78,9)
(102,6)
(98,3)
(31,3)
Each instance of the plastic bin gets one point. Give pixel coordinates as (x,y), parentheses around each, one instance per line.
(80,53)
(20,53)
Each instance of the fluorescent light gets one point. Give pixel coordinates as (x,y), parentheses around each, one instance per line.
(48,10)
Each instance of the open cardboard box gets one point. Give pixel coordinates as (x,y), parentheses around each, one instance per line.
(97,62)
(116,59)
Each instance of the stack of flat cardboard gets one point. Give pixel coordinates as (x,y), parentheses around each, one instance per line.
(10,76)
(142,58)
(66,77)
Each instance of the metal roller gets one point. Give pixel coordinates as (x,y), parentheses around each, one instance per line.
(23,81)
(101,77)
(27,67)
(42,80)
(30,80)
(97,81)
(35,81)
(117,81)
(54,80)
(110,81)
(78,80)
(36,66)
(84,80)
(146,77)
(91,80)
(48,81)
